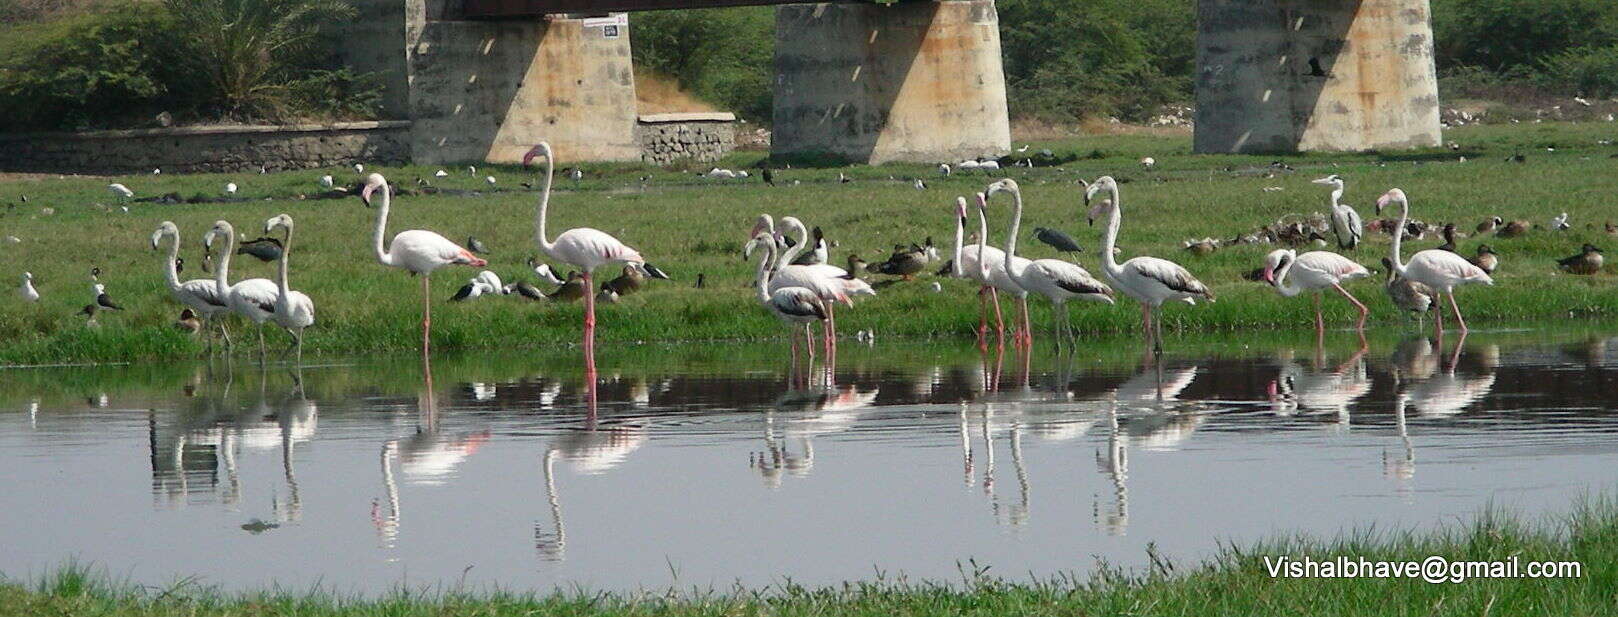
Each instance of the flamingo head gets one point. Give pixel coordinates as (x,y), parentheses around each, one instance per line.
(1393,195)
(283,221)
(542,149)
(1104,183)
(1102,207)
(960,209)
(219,228)
(983,201)
(1006,185)
(372,183)
(1274,261)
(1333,180)
(764,224)
(164,228)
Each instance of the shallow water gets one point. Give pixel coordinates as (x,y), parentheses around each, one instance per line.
(709,465)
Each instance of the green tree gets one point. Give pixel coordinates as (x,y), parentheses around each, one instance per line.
(248,52)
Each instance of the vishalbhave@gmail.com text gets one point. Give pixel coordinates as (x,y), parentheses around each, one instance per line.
(1434,569)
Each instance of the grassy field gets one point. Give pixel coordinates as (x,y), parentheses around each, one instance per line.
(1236,581)
(688,225)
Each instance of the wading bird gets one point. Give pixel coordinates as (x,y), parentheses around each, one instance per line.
(417,251)
(1057,239)
(120,191)
(792,305)
(103,301)
(264,249)
(543,270)
(230,189)
(1149,280)
(188,322)
(1408,295)
(1292,274)
(582,247)
(27,289)
(1345,221)
(293,310)
(984,264)
(1443,271)
(1057,280)
(200,295)
(252,298)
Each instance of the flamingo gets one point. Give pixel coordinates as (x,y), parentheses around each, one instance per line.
(792,305)
(293,310)
(831,283)
(416,250)
(1292,274)
(200,295)
(1443,271)
(984,264)
(1345,221)
(1057,280)
(252,298)
(120,191)
(583,247)
(1149,280)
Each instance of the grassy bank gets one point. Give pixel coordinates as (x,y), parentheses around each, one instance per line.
(688,225)
(1236,581)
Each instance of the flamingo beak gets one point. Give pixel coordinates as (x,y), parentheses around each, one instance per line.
(535,152)
(365,194)
(1269,275)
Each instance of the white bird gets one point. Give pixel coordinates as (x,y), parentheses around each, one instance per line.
(967,165)
(583,247)
(792,305)
(440,174)
(1149,280)
(717,173)
(1345,221)
(1148,162)
(984,264)
(326,182)
(359,169)
(920,186)
(543,270)
(1024,148)
(122,192)
(1057,280)
(200,295)
(1292,274)
(489,179)
(230,188)
(575,175)
(831,283)
(27,289)
(937,287)
(1559,222)
(988,166)
(253,298)
(944,169)
(491,281)
(157,171)
(293,310)
(416,250)
(1441,270)
(739,174)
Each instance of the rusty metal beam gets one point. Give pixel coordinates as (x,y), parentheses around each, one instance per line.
(510,9)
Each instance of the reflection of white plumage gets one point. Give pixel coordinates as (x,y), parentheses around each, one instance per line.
(431,458)
(1057,280)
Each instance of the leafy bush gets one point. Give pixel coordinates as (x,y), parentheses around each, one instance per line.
(1591,71)
(724,56)
(1503,34)
(247,51)
(85,72)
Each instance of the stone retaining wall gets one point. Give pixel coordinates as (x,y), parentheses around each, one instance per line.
(703,137)
(208,149)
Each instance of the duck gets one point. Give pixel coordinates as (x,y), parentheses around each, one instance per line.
(1612,228)
(1203,247)
(188,322)
(1449,238)
(1513,229)
(632,279)
(1486,259)
(1587,261)
(524,289)
(904,263)
(1489,224)
(1408,295)
(571,290)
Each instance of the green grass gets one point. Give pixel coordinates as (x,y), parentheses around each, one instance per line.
(1235,581)
(687,226)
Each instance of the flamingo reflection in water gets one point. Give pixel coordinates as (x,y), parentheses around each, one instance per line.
(427,457)
(1401,466)
(1114,520)
(1331,391)
(592,450)
(1445,393)
(802,415)
(1014,514)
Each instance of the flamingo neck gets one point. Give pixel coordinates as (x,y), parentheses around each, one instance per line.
(960,237)
(171,273)
(1016,226)
(1283,282)
(1398,236)
(382,254)
(1109,240)
(281,278)
(792,253)
(222,273)
(764,272)
(544,208)
(983,243)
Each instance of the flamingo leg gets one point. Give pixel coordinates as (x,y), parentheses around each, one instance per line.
(224,332)
(1157,336)
(589,326)
(1146,322)
(1027,327)
(1457,308)
(261,343)
(426,313)
(1364,311)
(983,317)
(1320,319)
(999,323)
(808,342)
(1438,317)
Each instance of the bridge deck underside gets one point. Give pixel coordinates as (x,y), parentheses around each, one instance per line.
(507,9)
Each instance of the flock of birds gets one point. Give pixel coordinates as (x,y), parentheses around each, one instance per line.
(796,283)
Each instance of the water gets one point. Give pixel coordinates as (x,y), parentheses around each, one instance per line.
(711,465)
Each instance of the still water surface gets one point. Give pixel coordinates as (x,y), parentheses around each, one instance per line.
(710,465)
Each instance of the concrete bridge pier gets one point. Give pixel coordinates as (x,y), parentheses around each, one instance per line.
(1302,75)
(912,81)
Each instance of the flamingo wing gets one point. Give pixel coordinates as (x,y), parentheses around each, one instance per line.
(1443,268)
(259,294)
(593,248)
(1071,277)
(424,251)
(204,292)
(798,302)
(1170,275)
(1331,265)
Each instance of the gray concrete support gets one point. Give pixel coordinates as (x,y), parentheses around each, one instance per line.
(1301,75)
(914,81)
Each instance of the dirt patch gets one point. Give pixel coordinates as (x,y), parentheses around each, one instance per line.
(660,94)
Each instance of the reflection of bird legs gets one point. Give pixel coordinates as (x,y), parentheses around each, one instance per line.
(295,503)
(387,525)
(551,546)
(1116,466)
(966,447)
(1019,514)
(1402,469)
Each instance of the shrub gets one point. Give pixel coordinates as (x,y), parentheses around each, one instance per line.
(1591,71)
(248,51)
(88,71)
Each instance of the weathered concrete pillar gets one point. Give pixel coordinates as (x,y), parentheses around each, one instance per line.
(1297,75)
(914,81)
(488,91)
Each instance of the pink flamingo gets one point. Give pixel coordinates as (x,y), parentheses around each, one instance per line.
(417,250)
(583,247)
